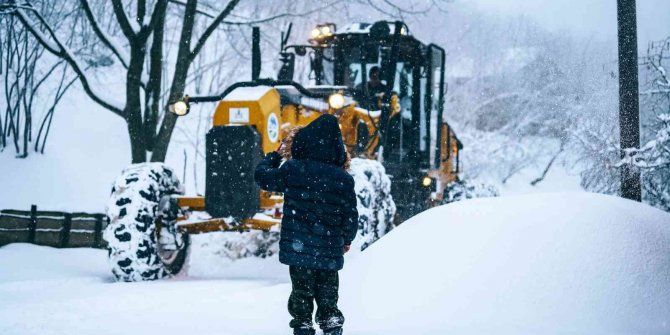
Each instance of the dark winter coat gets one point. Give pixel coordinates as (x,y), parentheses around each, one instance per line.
(320,215)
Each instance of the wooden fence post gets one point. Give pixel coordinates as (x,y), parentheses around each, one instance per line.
(65,231)
(97,238)
(33,224)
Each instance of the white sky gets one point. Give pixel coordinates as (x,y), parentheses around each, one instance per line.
(595,18)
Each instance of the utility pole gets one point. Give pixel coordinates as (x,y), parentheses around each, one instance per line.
(629,102)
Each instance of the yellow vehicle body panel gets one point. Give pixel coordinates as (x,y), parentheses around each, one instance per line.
(213,225)
(261,109)
(193,203)
(446,172)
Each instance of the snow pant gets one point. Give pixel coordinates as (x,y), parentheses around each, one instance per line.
(309,285)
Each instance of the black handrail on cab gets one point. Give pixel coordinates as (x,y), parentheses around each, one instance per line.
(258,82)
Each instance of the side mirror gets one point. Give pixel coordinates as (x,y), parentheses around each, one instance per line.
(287,67)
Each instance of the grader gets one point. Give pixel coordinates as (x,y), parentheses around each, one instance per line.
(400,124)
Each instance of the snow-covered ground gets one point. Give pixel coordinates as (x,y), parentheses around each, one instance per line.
(557,263)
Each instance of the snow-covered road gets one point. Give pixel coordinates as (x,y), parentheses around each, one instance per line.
(558,263)
(71,291)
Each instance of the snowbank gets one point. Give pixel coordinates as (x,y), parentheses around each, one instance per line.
(562,263)
(549,263)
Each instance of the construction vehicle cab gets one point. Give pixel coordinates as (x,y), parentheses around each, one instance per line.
(415,145)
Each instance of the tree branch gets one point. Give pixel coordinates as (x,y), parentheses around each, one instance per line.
(157,18)
(61,50)
(123,57)
(210,29)
(122,18)
(546,169)
(408,11)
(199,11)
(262,20)
(141,11)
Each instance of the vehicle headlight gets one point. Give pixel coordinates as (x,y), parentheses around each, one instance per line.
(316,33)
(336,101)
(427,181)
(180,108)
(325,30)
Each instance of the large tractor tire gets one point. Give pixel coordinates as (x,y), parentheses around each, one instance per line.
(376,208)
(141,243)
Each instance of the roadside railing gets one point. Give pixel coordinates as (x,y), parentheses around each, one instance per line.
(52,228)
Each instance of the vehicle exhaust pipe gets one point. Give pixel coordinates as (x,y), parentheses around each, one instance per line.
(255,53)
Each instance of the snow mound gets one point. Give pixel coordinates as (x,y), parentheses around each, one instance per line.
(576,263)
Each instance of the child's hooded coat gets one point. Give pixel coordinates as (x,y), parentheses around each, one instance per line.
(320,215)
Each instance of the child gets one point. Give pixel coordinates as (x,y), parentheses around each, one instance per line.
(320,219)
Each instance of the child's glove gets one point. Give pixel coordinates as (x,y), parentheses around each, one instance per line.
(274,159)
(346,248)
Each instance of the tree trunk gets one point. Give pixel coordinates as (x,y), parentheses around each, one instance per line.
(184,60)
(170,120)
(153,92)
(134,102)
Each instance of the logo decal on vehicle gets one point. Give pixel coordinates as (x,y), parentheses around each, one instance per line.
(239,115)
(273,128)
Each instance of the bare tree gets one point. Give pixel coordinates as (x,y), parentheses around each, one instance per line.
(656,95)
(23,83)
(144,40)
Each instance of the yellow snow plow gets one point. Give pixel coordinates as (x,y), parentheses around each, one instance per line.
(385,87)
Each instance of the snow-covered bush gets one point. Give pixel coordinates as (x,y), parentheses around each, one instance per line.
(654,156)
(376,208)
(595,154)
(465,189)
(653,161)
(602,170)
(598,145)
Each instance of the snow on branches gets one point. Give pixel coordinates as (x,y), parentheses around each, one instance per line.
(652,159)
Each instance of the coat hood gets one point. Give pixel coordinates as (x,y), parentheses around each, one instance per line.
(320,141)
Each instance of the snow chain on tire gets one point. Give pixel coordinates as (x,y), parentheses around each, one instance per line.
(132,211)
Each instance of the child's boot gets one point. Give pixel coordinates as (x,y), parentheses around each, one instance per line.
(307,330)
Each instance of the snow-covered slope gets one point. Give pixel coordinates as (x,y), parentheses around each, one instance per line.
(549,263)
(558,263)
